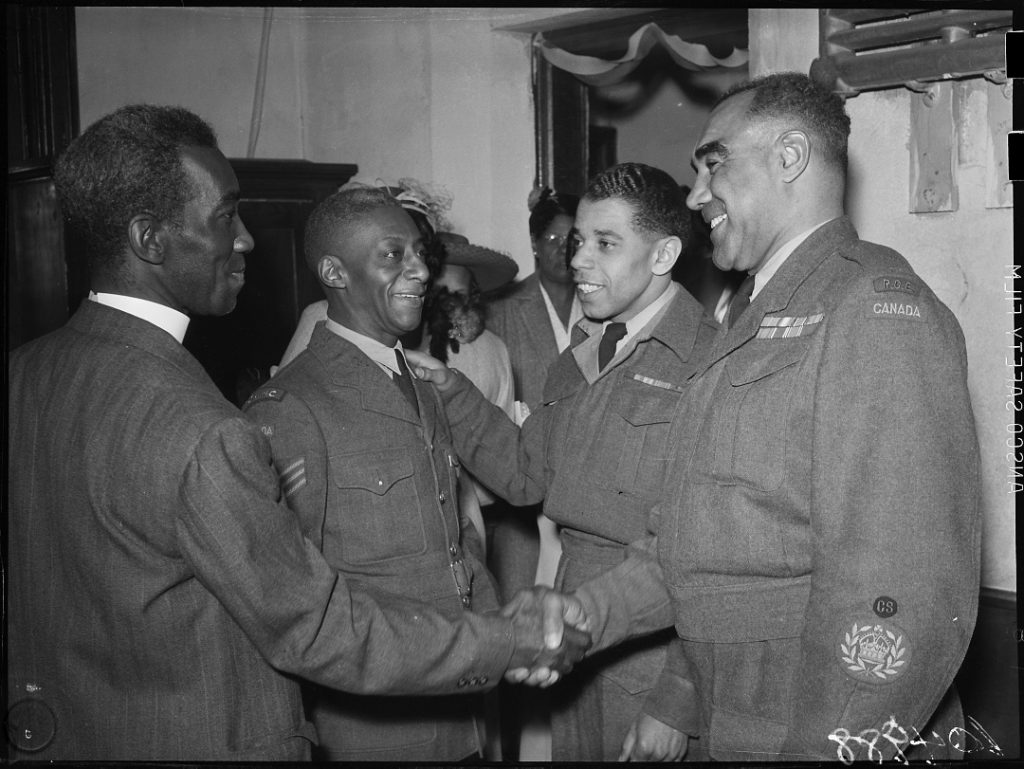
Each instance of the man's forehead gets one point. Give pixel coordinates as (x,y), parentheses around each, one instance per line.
(725,124)
(211,174)
(604,213)
(374,226)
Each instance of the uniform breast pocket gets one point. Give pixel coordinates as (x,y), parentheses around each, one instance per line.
(377,508)
(638,429)
(749,432)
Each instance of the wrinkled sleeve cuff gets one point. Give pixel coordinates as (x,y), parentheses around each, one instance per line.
(674,702)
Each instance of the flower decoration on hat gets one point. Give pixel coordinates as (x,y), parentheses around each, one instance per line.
(432,201)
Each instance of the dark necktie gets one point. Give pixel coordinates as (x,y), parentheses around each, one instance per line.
(741,301)
(404,380)
(613,332)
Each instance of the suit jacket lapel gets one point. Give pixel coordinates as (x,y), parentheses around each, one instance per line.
(538,323)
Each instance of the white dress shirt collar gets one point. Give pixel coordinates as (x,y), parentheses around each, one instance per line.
(160,315)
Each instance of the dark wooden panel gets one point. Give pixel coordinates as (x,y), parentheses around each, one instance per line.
(927,26)
(42,82)
(989,680)
(42,118)
(866,49)
(36,280)
(237,350)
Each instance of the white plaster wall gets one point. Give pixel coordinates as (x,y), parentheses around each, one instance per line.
(431,93)
(201,58)
(963,255)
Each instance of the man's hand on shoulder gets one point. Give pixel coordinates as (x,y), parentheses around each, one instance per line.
(430,369)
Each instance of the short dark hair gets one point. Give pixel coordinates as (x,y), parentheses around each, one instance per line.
(124,164)
(340,210)
(658,204)
(794,96)
(549,206)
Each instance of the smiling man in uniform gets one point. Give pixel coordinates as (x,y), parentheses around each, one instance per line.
(366,462)
(596,450)
(821,546)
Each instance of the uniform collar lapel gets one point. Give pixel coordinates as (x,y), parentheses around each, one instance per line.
(779,291)
(348,366)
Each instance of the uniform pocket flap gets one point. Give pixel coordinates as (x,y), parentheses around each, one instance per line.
(376,472)
(642,402)
(744,369)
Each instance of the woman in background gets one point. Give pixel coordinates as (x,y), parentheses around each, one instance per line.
(535,318)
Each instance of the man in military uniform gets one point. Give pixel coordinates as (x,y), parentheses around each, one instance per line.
(819,555)
(366,461)
(596,450)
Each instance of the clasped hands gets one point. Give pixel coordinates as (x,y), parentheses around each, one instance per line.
(551,635)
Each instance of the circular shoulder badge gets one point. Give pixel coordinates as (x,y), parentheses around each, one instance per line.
(874,651)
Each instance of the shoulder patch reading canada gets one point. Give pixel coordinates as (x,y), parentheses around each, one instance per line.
(898,310)
(874,652)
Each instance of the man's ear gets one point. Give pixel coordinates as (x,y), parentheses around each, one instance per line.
(666,253)
(795,150)
(331,271)
(146,238)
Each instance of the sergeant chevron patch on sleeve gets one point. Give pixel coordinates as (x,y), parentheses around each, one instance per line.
(293,477)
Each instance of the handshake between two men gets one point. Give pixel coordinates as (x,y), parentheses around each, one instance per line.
(561,625)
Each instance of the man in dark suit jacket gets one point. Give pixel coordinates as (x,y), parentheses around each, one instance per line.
(161,593)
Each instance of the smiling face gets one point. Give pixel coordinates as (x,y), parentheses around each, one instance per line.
(614,266)
(550,250)
(384,274)
(204,256)
(737,189)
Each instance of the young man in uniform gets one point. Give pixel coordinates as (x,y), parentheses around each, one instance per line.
(596,450)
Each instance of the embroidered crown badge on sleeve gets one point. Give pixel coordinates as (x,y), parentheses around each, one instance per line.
(875,652)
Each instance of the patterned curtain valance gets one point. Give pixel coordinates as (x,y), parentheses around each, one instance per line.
(600,72)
